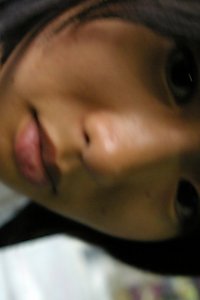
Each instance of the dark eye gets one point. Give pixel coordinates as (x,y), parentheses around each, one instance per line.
(182,74)
(187,204)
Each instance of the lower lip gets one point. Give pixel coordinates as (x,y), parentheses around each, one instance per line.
(28,154)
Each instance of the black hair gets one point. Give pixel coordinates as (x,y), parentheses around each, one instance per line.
(173,18)
(179,19)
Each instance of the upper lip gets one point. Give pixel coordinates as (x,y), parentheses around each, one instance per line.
(48,155)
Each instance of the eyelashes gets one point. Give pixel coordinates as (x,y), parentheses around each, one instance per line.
(182,74)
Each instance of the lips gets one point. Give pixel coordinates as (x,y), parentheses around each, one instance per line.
(35,155)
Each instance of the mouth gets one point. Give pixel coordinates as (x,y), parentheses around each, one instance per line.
(35,155)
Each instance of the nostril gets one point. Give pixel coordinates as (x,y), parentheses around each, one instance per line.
(105,143)
(86,138)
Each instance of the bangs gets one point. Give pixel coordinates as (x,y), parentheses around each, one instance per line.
(173,18)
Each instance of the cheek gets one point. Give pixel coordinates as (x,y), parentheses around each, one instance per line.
(138,206)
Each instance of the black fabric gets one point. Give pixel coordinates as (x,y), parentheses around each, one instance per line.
(173,257)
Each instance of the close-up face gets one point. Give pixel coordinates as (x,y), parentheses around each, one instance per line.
(100,121)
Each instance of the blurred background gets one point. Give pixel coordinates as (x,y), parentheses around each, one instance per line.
(61,268)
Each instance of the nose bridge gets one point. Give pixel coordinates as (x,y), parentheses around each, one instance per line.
(118,142)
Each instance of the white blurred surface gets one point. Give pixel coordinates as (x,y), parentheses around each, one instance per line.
(56,268)
(61,268)
(10,203)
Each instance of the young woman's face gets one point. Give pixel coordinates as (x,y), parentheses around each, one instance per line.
(98,110)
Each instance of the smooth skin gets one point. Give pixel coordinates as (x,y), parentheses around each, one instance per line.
(122,143)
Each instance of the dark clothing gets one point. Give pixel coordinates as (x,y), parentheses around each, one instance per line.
(177,256)
(176,18)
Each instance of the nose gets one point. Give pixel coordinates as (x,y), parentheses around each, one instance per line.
(116,143)
(105,143)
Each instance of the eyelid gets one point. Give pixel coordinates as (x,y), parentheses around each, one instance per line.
(174,86)
(193,222)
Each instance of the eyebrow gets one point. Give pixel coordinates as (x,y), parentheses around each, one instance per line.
(83,15)
(77,18)
(64,24)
